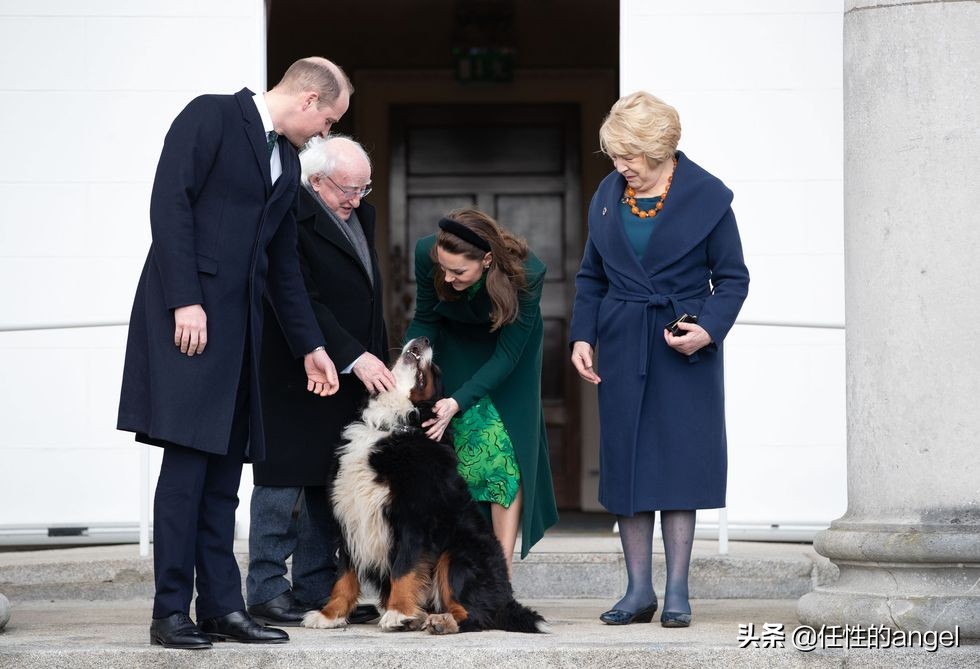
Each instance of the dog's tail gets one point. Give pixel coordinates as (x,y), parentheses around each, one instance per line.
(515,617)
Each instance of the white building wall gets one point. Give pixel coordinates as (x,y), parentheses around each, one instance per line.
(758,85)
(87,92)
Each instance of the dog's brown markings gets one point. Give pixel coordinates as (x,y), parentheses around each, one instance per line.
(343,597)
(408,594)
(425,388)
(454,608)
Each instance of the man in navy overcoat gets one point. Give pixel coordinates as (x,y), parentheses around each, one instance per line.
(224,235)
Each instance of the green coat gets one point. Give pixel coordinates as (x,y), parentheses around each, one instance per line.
(506,365)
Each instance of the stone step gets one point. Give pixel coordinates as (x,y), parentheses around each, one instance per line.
(559,567)
(114,635)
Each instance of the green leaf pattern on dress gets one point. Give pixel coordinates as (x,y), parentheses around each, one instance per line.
(485,454)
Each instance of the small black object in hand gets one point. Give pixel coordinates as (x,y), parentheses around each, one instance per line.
(672,327)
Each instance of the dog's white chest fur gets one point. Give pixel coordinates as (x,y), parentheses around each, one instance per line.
(360,501)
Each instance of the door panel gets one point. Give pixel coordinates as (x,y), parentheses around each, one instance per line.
(519,165)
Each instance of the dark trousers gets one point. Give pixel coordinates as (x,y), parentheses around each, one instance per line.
(274,535)
(194,524)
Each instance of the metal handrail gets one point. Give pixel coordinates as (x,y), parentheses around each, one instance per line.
(109,324)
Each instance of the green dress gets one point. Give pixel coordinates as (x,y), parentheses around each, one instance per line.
(504,365)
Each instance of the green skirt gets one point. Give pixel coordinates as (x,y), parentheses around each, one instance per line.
(485,454)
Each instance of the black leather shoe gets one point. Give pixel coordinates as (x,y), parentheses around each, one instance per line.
(280,610)
(178,631)
(675,619)
(363,613)
(621,617)
(239,626)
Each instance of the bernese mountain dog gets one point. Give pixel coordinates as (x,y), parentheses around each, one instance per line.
(409,526)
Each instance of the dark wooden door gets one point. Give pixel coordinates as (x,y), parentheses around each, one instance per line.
(520,165)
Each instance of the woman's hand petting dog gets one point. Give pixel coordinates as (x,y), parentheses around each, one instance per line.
(444,410)
(694,339)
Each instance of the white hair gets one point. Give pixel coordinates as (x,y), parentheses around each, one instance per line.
(323,156)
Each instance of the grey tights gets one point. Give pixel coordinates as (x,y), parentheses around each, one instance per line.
(636,535)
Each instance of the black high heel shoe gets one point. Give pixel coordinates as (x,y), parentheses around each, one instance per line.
(621,617)
(675,619)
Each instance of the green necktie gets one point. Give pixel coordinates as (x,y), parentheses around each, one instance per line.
(271,141)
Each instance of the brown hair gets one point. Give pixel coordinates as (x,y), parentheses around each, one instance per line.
(505,278)
(316,74)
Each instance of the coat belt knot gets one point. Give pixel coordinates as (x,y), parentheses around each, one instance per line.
(653,301)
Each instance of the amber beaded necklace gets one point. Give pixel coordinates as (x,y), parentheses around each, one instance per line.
(629,197)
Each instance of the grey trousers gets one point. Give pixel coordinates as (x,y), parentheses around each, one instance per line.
(311,538)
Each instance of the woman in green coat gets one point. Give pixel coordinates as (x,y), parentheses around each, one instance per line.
(478,301)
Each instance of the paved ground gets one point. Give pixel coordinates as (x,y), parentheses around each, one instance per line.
(111,634)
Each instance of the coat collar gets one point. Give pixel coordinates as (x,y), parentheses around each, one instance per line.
(255,132)
(311,210)
(697,201)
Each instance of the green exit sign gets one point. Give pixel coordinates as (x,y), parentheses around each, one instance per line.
(478,64)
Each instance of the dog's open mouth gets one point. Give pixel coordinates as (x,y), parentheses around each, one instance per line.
(415,350)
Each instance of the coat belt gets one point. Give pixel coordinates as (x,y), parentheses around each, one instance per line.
(653,301)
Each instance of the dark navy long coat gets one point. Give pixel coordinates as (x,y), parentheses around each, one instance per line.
(223,236)
(662,414)
(303,429)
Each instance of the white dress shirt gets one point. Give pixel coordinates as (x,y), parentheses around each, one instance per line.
(275,162)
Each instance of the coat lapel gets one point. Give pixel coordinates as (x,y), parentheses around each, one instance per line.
(255,134)
(325,227)
(618,250)
(696,202)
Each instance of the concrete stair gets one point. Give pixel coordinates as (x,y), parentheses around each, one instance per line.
(89,608)
(114,635)
(560,567)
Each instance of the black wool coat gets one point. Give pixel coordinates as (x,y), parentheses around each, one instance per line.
(223,236)
(302,429)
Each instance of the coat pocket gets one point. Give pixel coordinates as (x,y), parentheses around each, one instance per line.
(206,265)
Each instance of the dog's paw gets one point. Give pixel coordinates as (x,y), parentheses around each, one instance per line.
(316,620)
(393,621)
(441,623)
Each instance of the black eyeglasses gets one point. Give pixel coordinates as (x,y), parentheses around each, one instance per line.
(352,192)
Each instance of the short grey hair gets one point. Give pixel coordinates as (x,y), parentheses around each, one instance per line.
(322,156)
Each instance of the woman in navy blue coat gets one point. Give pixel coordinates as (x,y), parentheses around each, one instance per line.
(662,243)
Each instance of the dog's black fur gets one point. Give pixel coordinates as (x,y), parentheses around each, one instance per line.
(437,532)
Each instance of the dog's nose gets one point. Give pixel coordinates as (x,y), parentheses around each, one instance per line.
(424,341)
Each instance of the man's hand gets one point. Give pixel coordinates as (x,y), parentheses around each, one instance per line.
(321,375)
(190,329)
(696,338)
(373,373)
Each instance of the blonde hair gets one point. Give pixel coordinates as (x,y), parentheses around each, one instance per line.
(641,124)
(505,278)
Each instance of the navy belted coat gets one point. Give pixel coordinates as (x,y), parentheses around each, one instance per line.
(223,236)
(662,414)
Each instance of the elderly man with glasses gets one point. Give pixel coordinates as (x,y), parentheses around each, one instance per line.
(340,269)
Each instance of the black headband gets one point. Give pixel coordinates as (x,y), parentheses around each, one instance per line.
(459,230)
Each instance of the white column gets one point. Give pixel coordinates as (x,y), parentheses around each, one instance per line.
(908,547)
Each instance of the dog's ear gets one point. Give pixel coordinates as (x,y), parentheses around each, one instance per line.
(438,390)
(423,412)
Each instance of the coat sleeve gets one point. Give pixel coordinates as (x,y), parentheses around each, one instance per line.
(425,322)
(591,285)
(287,291)
(189,151)
(511,341)
(729,279)
(342,346)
